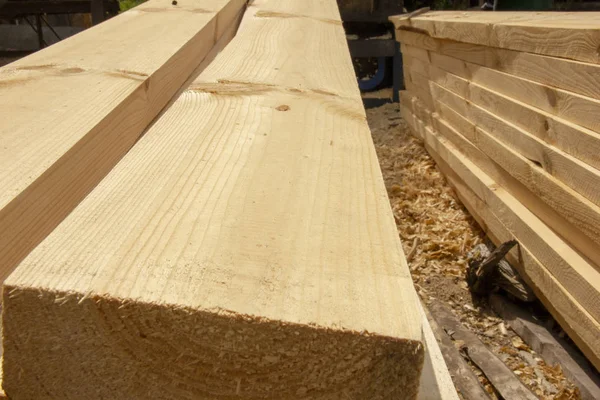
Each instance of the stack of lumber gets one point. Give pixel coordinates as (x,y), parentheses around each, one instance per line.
(507,104)
(244,247)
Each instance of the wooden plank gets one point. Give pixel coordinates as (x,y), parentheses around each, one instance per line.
(573,76)
(553,350)
(574,218)
(570,108)
(436,383)
(466,382)
(582,328)
(504,380)
(245,247)
(580,142)
(575,108)
(487,109)
(74,109)
(569,35)
(575,272)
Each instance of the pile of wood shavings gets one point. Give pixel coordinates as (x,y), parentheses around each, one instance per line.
(436,233)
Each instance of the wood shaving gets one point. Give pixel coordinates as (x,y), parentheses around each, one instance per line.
(436,233)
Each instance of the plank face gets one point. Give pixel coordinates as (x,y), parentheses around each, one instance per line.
(245,247)
(72,110)
(561,34)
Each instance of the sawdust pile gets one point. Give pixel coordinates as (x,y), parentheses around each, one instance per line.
(435,229)
(436,233)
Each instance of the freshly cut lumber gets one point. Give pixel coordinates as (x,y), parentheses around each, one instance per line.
(573,217)
(75,108)
(576,273)
(574,76)
(436,383)
(244,247)
(575,108)
(569,35)
(574,319)
(488,109)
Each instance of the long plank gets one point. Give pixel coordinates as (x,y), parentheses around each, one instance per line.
(500,115)
(571,215)
(578,109)
(71,111)
(504,380)
(575,272)
(245,247)
(436,383)
(576,321)
(466,382)
(574,76)
(569,35)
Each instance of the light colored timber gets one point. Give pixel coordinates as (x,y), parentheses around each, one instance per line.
(72,110)
(574,76)
(581,230)
(569,35)
(582,328)
(492,111)
(576,273)
(551,201)
(569,106)
(244,248)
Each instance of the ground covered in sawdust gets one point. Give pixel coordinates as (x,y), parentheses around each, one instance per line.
(436,233)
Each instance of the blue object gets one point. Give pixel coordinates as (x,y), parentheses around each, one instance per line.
(366,85)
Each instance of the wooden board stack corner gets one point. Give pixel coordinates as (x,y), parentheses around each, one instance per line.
(513,126)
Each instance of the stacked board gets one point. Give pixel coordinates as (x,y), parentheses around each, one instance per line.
(507,104)
(243,248)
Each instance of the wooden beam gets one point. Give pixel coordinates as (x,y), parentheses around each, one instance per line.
(574,218)
(244,247)
(436,383)
(569,35)
(466,382)
(575,272)
(486,109)
(77,107)
(582,328)
(573,76)
(563,110)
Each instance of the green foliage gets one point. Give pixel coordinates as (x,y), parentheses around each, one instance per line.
(125,5)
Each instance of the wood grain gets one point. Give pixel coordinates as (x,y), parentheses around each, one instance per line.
(495,113)
(577,109)
(72,110)
(569,35)
(245,247)
(574,319)
(573,76)
(575,272)
(574,218)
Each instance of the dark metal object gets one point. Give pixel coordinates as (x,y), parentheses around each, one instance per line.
(40,33)
(360,48)
(51,28)
(42,43)
(16,8)
(488,270)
